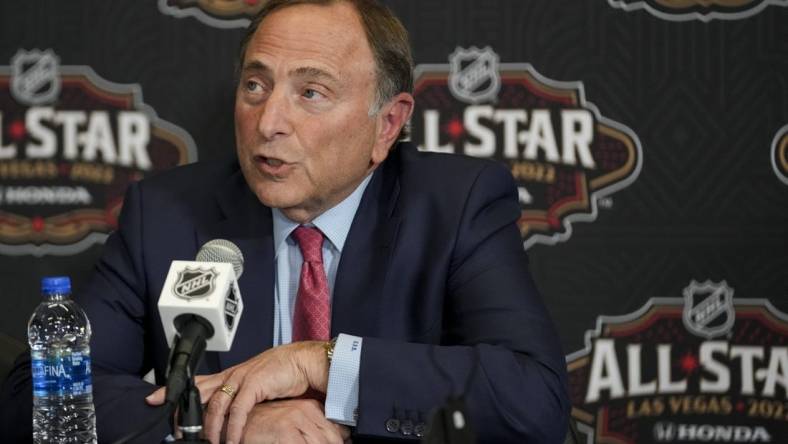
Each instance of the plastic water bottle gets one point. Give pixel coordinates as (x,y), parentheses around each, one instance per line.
(59,337)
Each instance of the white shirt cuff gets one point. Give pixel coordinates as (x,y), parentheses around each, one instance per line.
(343,375)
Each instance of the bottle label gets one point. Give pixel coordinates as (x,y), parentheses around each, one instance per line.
(62,375)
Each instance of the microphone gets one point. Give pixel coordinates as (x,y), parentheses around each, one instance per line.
(200,306)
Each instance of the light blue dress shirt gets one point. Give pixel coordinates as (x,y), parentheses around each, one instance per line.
(343,376)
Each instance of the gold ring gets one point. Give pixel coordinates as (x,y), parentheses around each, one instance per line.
(228,390)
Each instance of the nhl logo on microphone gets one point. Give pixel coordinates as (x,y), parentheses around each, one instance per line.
(194,283)
(206,289)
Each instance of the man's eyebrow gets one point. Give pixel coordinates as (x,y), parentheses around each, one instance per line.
(304,71)
(312,72)
(256,65)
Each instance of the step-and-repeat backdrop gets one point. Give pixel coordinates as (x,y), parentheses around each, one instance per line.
(648,139)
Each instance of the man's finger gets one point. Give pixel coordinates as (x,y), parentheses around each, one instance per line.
(157,397)
(202,378)
(216,410)
(239,412)
(208,384)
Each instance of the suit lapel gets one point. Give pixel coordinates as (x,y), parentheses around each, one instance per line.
(248,224)
(363,267)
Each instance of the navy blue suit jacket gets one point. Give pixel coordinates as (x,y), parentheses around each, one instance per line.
(433,267)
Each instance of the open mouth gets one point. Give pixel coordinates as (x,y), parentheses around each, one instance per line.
(271,165)
(270,161)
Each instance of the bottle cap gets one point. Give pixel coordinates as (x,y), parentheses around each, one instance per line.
(56,285)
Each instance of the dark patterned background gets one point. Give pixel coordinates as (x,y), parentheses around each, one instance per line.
(705,99)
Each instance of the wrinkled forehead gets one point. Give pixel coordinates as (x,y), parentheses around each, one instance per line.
(331,33)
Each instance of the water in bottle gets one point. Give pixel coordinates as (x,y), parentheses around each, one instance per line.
(59,335)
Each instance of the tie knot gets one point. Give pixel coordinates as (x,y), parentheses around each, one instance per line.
(310,240)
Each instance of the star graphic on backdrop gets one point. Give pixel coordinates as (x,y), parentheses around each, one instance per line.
(454,128)
(17,130)
(688,363)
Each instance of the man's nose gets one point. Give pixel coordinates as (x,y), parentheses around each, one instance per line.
(275,116)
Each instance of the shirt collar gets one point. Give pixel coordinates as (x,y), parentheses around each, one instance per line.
(334,223)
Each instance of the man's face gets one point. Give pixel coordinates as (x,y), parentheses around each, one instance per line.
(304,136)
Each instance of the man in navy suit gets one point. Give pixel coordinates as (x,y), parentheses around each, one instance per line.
(427,282)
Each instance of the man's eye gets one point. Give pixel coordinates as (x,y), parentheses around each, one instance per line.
(252,86)
(311,94)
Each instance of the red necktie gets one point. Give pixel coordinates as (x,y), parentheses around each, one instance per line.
(312,317)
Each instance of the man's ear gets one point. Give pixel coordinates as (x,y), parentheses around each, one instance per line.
(391,119)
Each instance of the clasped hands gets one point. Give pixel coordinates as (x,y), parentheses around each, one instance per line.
(264,407)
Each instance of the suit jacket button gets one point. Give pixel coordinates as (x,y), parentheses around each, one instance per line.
(407,427)
(420,430)
(392,425)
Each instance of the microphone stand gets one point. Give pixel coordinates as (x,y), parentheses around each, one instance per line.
(190,415)
(185,357)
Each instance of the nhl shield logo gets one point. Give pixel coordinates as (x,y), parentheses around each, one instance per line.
(35,77)
(708,308)
(194,283)
(474,76)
